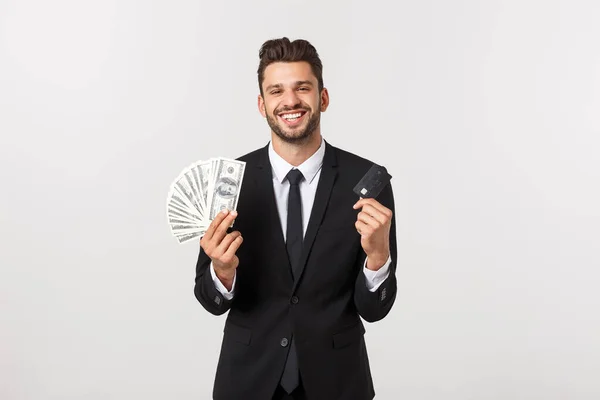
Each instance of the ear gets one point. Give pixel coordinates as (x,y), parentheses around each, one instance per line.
(261,106)
(324,99)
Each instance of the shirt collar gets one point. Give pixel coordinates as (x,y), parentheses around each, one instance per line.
(309,168)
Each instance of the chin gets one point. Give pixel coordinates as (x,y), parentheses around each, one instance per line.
(296,137)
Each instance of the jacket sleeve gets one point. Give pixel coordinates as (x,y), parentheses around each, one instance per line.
(374,306)
(204,289)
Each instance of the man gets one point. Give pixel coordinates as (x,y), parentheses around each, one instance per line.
(313,257)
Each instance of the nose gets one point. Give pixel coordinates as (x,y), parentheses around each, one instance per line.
(290,99)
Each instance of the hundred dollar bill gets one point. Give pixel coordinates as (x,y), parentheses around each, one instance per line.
(195,175)
(213,162)
(177,214)
(227,184)
(204,172)
(182,212)
(191,182)
(181,224)
(188,236)
(180,201)
(184,186)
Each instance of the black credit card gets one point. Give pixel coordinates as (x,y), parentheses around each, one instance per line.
(373,182)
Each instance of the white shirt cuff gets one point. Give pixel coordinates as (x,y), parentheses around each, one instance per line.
(374,279)
(219,285)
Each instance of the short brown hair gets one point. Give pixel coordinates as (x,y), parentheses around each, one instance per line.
(282,50)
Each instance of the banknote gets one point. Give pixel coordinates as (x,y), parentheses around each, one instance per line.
(199,192)
(227,186)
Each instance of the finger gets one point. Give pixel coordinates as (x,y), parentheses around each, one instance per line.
(374,203)
(368,220)
(375,213)
(362,228)
(221,230)
(362,201)
(215,223)
(227,240)
(233,247)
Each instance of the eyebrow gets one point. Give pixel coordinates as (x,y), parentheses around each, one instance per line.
(299,83)
(279,85)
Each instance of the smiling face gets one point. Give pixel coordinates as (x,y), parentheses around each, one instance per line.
(291,101)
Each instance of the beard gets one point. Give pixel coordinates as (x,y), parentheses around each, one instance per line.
(294,136)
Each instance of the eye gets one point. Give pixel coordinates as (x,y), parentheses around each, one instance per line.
(274,92)
(303,88)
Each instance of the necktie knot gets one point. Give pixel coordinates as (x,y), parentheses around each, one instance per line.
(294,176)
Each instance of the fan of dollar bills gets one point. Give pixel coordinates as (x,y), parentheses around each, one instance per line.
(198,194)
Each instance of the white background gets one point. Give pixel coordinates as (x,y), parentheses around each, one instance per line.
(485,113)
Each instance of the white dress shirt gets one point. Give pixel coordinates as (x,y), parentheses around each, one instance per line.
(311,170)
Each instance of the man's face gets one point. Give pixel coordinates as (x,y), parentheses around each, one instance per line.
(291,101)
(228,189)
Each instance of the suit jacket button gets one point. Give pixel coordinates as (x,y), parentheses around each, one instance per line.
(294,300)
(284,342)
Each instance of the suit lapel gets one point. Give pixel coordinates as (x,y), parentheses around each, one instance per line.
(324,187)
(264,188)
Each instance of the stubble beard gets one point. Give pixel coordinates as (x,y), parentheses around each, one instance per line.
(296,138)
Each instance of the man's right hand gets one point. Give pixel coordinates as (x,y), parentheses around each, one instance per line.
(221,246)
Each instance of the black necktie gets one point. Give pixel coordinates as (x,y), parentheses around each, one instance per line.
(293,243)
(294,236)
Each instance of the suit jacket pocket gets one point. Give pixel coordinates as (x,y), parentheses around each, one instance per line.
(346,337)
(237,333)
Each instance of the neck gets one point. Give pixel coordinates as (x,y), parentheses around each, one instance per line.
(296,153)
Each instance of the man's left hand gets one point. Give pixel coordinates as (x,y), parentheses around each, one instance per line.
(373,224)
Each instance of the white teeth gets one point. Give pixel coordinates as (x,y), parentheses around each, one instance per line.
(291,116)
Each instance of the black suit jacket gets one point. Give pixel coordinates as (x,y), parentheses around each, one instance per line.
(322,309)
